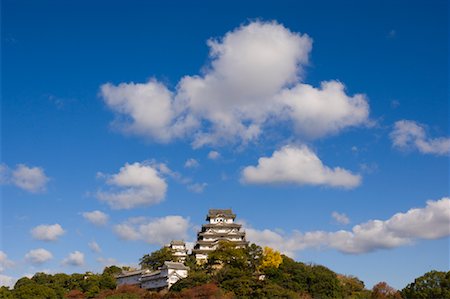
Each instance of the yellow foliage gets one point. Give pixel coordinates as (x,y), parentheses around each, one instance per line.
(271,258)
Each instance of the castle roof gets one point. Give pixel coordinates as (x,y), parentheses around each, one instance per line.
(221,225)
(175,265)
(177,242)
(234,234)
(217,241)
(132,273)
(213,213)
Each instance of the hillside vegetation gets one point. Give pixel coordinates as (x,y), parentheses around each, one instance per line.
(230,272)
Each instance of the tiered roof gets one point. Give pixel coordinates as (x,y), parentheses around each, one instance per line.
(236,237)
(213,213)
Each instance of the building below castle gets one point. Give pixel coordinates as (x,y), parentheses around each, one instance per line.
(221,227)
(163,278)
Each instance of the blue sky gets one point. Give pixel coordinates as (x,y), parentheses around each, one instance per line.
(323,125)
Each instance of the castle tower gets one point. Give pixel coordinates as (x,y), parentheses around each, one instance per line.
(221,226)
(179,250)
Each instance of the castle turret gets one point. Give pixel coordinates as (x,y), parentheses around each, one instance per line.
(179,250)
(221,227)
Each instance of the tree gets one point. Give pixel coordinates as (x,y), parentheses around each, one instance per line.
(6,293)
(156,259)
(352,287)
(323,283)
(194,279)
(33,291)
(228,254)
(433,284)
(209,290)
(124,292)
(112,270)
(384,291)
(255,256)
(271,258)
(75,294)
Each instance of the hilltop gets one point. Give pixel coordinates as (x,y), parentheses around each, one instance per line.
(230,272)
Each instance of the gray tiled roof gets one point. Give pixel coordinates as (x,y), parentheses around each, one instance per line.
(228,213)
(177,242)
(221,235)
(132,273)
(175,265)
(221,225)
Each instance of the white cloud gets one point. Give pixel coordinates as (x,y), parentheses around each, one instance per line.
(297,165)
(4,261)
(408,134)
(31,179)
(213,155)
(75,258)
(136,184)
(7,281)
(431,222)
(94,247)
(326,110)
(253,79)
(96,217)
(340,218)
(38,256)
(154,231)
(191,163)
(47,232)
(197,187)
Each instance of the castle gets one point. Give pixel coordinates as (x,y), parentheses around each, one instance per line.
(221,227)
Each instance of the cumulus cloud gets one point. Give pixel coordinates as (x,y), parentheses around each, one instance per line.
(137,184)
(75,258)
(297,165)
(31,179)
(253,79)
(408,135)
(430,222)
(94,247)
(191,163)
(38,256)
(47,232)
(340,218)
(158,231)
(96,217)
(7,281)
(4,261)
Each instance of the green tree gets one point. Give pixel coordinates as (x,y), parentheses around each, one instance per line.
(34,291)
(433,284)
(323,283)
(195,278)
(156,259)
(352,287)
(255,256)
(6,293)
(112,270)
(228,254)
